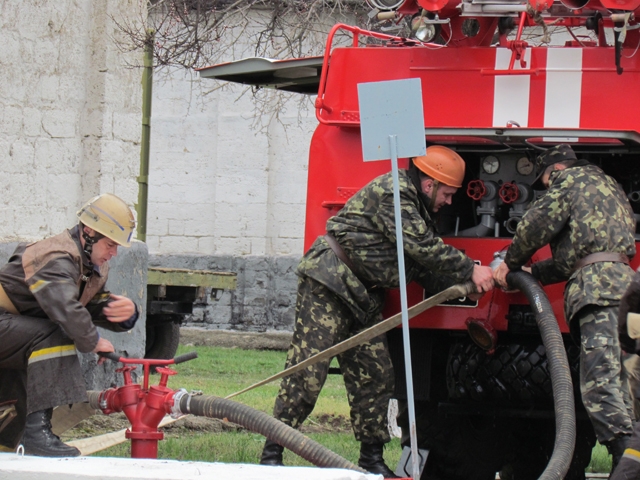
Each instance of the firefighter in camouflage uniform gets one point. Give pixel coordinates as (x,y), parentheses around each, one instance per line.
(586,219)
(341,290)
(51,299)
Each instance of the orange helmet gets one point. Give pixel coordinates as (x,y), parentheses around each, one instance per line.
(442,164)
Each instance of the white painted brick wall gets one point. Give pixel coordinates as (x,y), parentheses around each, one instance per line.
(70,122)
(216,183)
(70,112)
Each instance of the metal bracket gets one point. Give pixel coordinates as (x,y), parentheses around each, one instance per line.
(403,469)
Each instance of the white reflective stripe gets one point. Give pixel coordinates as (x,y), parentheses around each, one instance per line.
(511,92)
(52,352)
(564,88)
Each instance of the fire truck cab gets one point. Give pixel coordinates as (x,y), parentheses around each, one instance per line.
(498,93)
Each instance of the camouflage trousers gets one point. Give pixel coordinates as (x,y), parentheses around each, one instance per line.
(603,380)
(323,320)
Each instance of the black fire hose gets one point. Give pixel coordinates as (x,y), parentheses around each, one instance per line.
(260,422)
(563,400)
(255,421)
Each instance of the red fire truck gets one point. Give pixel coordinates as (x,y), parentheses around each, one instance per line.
(483,404)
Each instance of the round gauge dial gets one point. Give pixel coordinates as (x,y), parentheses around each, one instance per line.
(490,164)
(524,166)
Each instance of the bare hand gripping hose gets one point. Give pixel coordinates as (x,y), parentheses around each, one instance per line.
(563,400)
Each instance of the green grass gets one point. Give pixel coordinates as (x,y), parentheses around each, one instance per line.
(222,371)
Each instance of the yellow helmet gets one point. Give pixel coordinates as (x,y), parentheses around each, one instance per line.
(110,216)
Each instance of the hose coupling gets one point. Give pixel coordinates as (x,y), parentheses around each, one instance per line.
(176,412)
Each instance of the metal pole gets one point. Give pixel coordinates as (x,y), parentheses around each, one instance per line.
(415,460)
(143,178)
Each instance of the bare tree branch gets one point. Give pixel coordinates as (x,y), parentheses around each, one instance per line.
(196,33)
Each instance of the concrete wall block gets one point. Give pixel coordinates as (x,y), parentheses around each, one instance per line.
(170,209)
(27,226)
(7,223)
(58,156)
(10,51)
(289,192)
(11,120)
(176,228)
(207,245)
(63,189)
(288,220)
(93,123)
(227,223)
(233,245)
(45,91)
(200,225)
(243,189)
(230,129)
(179,244)
(31,122)
(71,88)
(60,123)
(127,126)
(287,246)
(21,155)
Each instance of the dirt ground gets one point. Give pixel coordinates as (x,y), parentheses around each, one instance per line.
(100,424)
(233,339)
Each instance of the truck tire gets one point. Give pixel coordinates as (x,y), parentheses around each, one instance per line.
(515,375)
(162,340)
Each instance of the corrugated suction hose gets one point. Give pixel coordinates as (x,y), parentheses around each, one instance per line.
(563,400)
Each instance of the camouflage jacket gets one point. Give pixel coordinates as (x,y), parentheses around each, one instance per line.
(583,212)
(365,228)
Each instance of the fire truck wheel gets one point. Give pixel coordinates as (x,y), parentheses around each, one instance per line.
(162,340)
(515,374)
(461,447)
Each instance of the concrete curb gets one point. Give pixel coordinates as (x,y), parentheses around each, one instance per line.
(272,340)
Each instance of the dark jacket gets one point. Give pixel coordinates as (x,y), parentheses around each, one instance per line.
(53,279)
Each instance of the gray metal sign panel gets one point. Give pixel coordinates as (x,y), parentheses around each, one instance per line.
(391,108)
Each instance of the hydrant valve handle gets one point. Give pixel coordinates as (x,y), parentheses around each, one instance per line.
(185,357)
(110,355)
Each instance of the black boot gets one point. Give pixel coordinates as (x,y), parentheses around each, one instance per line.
(38,439)
(271,454)
(371,460)
(616,448)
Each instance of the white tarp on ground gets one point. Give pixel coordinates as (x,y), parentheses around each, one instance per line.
(15,467)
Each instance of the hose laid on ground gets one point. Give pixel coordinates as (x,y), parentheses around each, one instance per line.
(559,371)
(255,421)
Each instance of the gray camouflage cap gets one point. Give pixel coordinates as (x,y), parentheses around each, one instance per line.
(549,157)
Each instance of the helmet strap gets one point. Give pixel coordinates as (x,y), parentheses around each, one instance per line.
(414,175)
(89,241)
(434,193)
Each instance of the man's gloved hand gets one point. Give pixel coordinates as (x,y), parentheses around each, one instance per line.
(630,303)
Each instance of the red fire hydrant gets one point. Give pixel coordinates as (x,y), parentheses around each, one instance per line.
(144,406)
